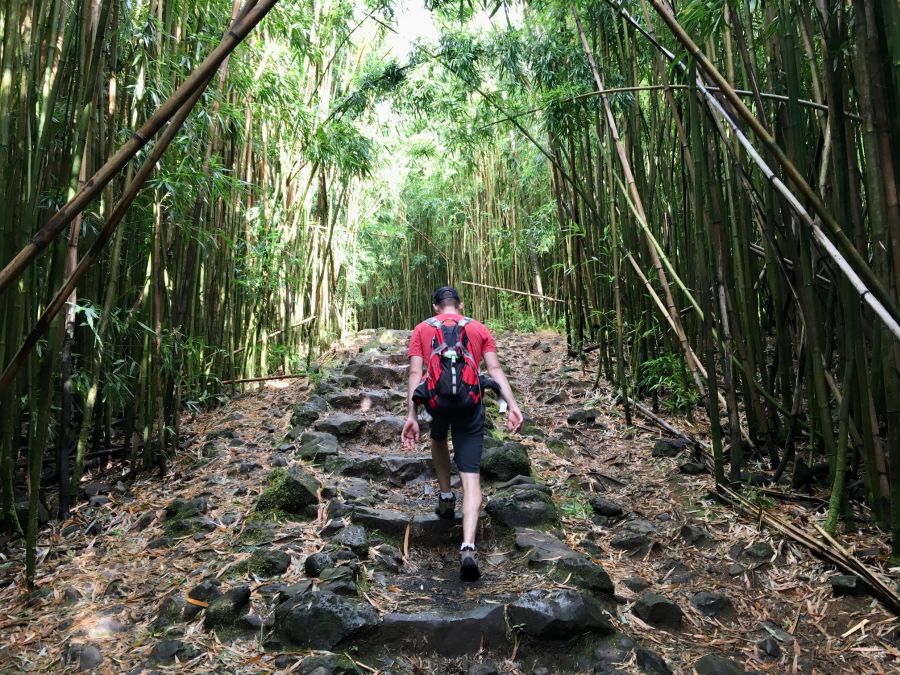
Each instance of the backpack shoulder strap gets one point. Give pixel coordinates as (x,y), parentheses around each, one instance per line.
(433,322)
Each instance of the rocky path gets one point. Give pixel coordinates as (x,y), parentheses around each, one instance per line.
(296,535)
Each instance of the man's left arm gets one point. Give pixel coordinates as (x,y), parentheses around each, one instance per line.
(495,370)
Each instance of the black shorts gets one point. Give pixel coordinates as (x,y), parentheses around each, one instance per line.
(467,430)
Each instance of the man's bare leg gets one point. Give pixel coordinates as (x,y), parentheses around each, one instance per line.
(440,458)
(471,485)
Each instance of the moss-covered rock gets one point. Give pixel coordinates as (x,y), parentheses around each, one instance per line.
(505,461)
(290,490)
(186,516)
(322,620)
(304,414)
(522,506)
(227,609)
(265,563)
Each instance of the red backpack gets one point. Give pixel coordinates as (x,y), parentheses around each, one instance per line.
(451,378)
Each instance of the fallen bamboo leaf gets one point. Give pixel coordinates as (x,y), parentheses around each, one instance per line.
(198,603)
(859,626)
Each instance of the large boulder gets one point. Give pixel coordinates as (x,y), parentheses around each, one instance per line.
(555,615)
(291,490)
(448,633)
(505,462)
(322,620)
(522,506)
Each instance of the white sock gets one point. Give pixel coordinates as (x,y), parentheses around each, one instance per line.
(464,546)
(446,495)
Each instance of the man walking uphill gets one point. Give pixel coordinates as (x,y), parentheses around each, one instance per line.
(444,355)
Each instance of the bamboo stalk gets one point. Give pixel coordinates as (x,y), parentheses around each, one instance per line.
(95,184)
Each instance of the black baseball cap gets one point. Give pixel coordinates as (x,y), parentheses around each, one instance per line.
(445,293)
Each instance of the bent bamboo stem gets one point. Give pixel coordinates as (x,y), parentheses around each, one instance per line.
(93,186)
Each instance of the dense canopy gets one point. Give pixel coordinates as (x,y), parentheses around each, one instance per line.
(702,198)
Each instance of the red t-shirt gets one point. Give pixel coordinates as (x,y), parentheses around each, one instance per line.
(480,339)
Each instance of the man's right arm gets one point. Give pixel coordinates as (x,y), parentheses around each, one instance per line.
(410,433)
(415,377)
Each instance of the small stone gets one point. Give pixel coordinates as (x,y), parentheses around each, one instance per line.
(278,460)
(355,538)
(87,657)
(694,536)
(483,669)
(630,541)
(159,542)
(387,558)
(94,488)
(585,417)
(291,490)
(205,591)
(315,563)
(777,632)
(769,647)
(658,611)
(636,584)
(515,481)
(713,664)
(639,526)
(692,468)
(98,500)
(605,507)
(285,593)
(165,651)
(268,563)
(760,550)
(712,603)
(651,662)
(305,414)
(667,447)
(736,569)
(227,609)
(848,585)
(174,609)
(105,627)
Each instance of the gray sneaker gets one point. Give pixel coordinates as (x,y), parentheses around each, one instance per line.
(468,566)
(446,508)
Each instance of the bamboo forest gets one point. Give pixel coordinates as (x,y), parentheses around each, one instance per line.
(222,220)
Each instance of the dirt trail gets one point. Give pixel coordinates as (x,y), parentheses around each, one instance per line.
(295,534)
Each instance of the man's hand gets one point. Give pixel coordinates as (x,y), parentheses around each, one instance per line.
(514,418)
(410,433)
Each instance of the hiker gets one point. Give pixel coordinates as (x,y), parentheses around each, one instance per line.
(444,356)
